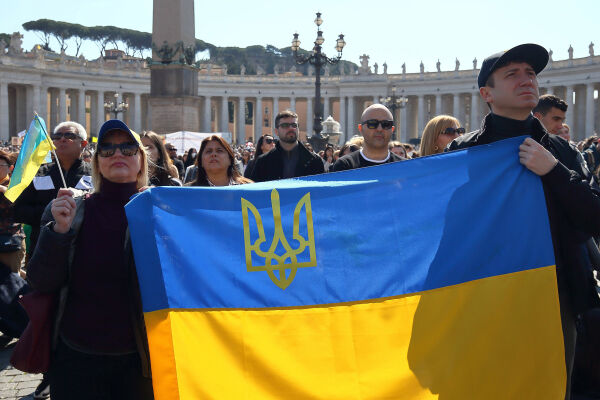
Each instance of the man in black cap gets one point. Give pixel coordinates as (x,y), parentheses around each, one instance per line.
(508,83)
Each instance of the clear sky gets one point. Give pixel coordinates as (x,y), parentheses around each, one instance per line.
(395,32)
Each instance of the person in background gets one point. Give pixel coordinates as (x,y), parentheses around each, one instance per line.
(175,160)
(216,164)
(398,149)
(12,237)
(328,157)
(347,148)
(438,132)
(102,349)
(161,171)
(265,144)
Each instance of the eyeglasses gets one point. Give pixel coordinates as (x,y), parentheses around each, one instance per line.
(374,123)
(270,140)
(453,131)
(128,149)
(286,125)
(66,135)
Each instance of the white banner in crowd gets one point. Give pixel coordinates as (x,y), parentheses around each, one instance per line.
(184,140)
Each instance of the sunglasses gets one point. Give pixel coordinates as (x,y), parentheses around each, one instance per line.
(270,140)
(374,123)
(128,149)
(452,131)
(286,125)
(66,135)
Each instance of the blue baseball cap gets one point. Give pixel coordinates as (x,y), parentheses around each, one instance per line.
(117,125)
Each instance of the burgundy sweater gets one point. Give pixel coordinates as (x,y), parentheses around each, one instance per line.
(97,317)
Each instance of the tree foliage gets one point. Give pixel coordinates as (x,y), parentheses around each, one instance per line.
(268,58)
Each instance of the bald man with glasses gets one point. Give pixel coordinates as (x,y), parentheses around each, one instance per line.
(376,128)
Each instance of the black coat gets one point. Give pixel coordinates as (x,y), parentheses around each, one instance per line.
(269,166)
(573,203)
(30,205)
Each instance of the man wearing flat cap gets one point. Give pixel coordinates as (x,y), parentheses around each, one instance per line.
(508,83)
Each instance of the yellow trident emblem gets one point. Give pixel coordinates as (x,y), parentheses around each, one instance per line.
(274,262)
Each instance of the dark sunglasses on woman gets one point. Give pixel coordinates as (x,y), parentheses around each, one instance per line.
(374,123)
(128,149)
(269,140)
(453,131)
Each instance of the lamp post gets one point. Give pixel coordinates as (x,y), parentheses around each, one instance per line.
(318,59)
(114,107)
(394,103)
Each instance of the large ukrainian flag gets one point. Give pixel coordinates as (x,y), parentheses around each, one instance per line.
(426,279)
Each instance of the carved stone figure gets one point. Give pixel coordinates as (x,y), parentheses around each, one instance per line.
(165,52)
(364,65)
(2,46)
(403,68)
(342,69)
(293,70)
(276,69)
(438,66)
(327,70)
(591,49)
(15,43)
(550,52)
(570,52)
(260,70)
(376,68)
(208,68)
(243,70)
(385,68)
(310,70)
(475,63)
(224,69)
(457,65)
(422,67)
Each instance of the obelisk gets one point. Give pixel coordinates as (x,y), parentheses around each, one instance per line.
(174,101)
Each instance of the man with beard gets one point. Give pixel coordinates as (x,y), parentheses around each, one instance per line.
(377,127)
(289,158)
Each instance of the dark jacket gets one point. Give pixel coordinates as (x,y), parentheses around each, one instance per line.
(50,268)
(30,205)
(573,203)
(269,166)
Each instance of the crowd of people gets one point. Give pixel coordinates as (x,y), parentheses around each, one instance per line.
(86,256)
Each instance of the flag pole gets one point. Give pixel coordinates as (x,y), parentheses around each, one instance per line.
(52,149)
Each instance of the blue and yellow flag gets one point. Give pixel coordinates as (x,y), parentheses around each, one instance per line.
(34,149)
(432,278)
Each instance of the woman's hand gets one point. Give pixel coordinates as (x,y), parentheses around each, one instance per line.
(63,210)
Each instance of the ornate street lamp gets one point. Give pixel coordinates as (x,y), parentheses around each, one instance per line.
(318,59)
(114,107)
(394,103)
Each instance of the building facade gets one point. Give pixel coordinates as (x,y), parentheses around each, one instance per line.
(60,88)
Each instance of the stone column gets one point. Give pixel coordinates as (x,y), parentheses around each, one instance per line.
(420,115)
(342,118)
(62,108)
(275,111)
(224,115)
(456,106)
(403,124)
(241,120)
(325,108)
(589,110)
(352,129)
(35,100)
(28,105)
(81,107)
(137,112)
(475,122)
(550,90)
(375,99)
(4,129)
(438,104)
(100,115)
(293,103)
(43,105)
(570,112)
(258,119)
(206,126)
(51,122)
(310,117)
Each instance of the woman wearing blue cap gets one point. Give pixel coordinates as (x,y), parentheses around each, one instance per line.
(101,346)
